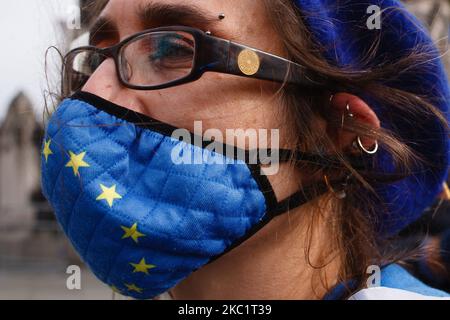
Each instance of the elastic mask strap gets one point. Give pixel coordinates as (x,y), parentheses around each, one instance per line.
(296,200)
(322,160)
(299,198)
(275,208)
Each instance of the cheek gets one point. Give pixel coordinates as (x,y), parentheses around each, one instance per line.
(219,101)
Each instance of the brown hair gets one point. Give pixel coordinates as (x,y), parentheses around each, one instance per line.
(353,234)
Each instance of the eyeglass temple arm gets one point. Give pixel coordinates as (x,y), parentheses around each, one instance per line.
(219,55)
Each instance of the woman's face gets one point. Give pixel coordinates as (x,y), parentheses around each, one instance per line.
(219,101)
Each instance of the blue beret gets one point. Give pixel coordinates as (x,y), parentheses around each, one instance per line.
(340,29)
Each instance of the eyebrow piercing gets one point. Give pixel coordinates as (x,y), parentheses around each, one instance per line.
(222,16)
(208,33)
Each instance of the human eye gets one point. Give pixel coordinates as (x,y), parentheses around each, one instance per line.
(172,51)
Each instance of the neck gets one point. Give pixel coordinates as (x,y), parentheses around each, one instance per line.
(276,263)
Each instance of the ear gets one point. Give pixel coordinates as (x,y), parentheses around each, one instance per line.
(361,112)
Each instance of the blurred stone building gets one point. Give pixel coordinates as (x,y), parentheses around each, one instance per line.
(24,212)
(28,230)
(19,169)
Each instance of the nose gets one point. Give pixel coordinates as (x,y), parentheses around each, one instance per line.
(104,82)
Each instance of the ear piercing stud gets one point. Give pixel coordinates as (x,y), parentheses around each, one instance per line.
(348,111)
(357,144)
(348,114)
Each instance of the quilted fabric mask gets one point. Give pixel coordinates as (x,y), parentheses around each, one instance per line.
(140,222)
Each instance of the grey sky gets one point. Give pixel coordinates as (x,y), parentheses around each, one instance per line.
(27,28)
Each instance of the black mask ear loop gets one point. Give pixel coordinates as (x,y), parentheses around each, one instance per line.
(301,197)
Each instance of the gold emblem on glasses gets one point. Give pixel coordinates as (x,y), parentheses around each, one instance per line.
(248,62)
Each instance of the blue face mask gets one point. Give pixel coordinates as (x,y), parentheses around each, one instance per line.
(139,221)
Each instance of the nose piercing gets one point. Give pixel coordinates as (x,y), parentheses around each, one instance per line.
(221,16)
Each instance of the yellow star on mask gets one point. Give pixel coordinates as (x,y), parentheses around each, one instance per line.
(133,287)
(132,233)
(47,151)
(115,289)
(142,266)
(76,162)
(109,194)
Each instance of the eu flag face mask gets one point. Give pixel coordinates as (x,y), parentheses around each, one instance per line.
(139,221)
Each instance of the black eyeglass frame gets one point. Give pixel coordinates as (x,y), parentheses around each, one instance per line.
(213,54)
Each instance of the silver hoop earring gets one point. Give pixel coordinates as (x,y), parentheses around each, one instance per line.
(358,144)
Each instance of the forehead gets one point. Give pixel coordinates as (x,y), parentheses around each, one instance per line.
(245,20)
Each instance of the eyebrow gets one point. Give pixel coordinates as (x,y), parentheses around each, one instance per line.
(102,29)
(153,15)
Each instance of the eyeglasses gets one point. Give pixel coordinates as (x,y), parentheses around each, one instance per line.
(170,56)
